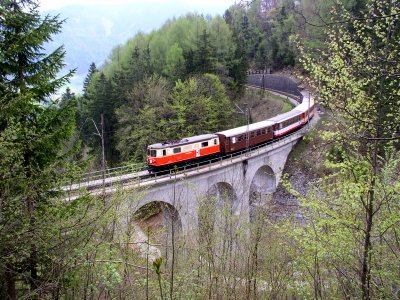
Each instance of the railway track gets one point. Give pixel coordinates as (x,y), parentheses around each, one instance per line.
(143,178)
(138,172)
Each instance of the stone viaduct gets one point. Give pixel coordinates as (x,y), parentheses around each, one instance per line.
(242,181)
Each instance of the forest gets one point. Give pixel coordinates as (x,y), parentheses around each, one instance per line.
(183,79)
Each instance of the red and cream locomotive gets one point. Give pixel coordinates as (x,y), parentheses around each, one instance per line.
(166,155)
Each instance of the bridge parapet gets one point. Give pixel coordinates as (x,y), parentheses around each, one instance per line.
(143,179)
(246,177)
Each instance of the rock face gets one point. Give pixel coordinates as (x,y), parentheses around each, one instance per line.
(285,204)
(303,167)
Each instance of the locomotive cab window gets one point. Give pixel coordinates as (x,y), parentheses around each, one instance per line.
(153,153)
(215,141)
(204,144)
(177,150)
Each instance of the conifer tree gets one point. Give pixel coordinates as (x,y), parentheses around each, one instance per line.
(135,70)
(205,61)
(147,63)
(33,131)
(102,103)
(92,70)
(84,101)
(66,97)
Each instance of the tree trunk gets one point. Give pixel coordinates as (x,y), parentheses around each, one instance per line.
(33,280)
(366,269)
(10,284)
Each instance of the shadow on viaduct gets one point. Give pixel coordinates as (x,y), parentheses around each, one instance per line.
(238,183)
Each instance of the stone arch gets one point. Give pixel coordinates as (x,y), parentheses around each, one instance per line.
(153,209)
(224,194)
(262,185)
(217,216)
(161,220)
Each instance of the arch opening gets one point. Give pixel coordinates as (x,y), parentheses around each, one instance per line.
(218,219)
(160,223)
(223,195)
(261,188)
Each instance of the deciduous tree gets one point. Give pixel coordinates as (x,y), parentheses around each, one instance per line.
(356,211)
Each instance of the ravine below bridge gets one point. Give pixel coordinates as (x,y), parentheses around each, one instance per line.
(242,182)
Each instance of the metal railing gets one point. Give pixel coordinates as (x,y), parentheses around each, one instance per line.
(117,176)
(239,156)
(96,175)
(138,172)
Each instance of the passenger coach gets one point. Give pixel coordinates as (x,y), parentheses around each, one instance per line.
(290,121)
(189,150)
(235,139)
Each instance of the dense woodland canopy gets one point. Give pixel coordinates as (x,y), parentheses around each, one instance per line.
(260,35)
(184,79)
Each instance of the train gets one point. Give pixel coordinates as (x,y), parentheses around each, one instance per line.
(190,150)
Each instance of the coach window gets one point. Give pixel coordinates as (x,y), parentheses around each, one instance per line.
(215,141)
(204,144)
(164,152)
(177,150)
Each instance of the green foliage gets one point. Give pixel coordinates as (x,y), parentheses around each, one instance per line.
(34,132)
(156,112)
(142,120)
(175,62)
(265,35)
(333,238)
(199,105)
(284,29)
(170,46)
(351,213)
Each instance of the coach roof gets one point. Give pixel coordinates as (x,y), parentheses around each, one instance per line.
(285,116)
(243,129)
(185,141)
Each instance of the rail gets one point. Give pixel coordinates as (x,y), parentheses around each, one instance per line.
(142,178)
(237,156)
(139,173)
